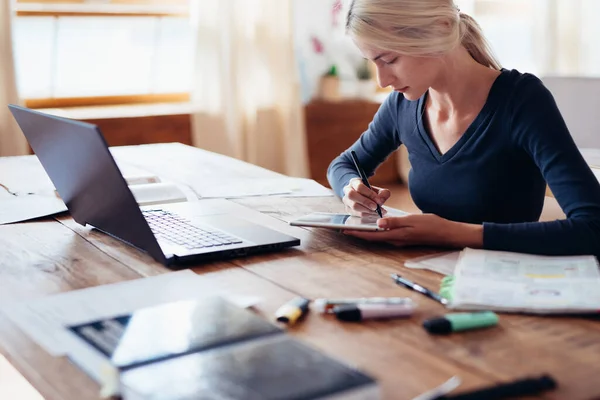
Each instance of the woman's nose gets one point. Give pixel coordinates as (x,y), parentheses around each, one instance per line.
(384,79)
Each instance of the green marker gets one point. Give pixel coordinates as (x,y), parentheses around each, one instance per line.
(460,322)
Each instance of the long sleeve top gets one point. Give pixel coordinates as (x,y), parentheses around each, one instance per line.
(496,173)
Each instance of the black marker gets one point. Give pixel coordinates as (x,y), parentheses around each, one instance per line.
(519,388)
(364,179)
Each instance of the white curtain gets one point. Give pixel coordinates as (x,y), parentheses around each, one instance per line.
(12,141)
(545,37)
(246,89)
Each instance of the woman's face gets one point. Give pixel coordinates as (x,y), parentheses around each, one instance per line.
(411,76)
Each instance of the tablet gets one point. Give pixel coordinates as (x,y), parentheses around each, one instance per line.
(338,221)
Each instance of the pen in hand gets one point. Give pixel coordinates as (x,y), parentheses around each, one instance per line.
(364,179)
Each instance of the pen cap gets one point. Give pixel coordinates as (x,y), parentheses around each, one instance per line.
(291,311)
(350,313)
(437,326)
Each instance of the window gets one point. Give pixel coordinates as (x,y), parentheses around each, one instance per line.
(545,37)
(86,52)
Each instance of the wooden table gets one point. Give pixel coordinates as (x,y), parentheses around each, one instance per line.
(51,256)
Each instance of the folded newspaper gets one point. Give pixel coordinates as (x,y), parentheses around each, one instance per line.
(515,282)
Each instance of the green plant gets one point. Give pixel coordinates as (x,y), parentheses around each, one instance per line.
(363,72)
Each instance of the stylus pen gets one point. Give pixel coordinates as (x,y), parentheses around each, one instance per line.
(364,179)
(418,288)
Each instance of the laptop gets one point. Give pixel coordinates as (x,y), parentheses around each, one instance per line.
(86,176)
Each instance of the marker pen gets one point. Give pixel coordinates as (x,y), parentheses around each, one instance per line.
(327,305)
(291,311)
(360,312)
(519,388)
(460,322)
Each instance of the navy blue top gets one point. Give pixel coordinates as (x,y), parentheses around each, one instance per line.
(496,173)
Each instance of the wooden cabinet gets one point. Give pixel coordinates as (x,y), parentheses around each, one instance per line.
(331,127)
(145,129)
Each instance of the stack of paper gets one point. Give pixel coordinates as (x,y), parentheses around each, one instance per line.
(284,187)
(514,282)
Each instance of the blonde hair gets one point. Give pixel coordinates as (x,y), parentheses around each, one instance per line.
(418,28)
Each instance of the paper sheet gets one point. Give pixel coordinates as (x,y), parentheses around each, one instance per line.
(301,187)
(444,263)
(283,187)
(596,172)
(44,319)
(160,193)
(517,282)
(591,156)
(27,207)
(395,212)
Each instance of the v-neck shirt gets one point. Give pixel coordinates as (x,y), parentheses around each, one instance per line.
(496,173)
(478,121)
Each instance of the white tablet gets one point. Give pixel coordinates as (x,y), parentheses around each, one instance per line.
(338,221)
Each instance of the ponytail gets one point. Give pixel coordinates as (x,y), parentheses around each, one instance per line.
(473,40)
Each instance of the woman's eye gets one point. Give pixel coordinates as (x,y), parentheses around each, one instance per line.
(391,61)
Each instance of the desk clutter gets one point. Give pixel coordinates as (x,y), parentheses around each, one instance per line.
(163,338)
(149,189)
(180,344)
(214,349)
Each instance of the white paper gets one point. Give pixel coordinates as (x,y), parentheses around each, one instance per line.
(141,179)
(517,282)
(44,319)
(395,212)
(596,172)
(301,187)
(158,193)
(591,156)
(244,188)
(441,263)
(27,207)
(282,187)
(133,172)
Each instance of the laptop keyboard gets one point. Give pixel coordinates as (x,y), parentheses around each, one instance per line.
(178,230)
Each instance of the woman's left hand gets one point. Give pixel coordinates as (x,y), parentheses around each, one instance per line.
(424,229)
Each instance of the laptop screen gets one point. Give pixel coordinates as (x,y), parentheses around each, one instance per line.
(85,174)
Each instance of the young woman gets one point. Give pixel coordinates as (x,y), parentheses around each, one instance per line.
(482,141)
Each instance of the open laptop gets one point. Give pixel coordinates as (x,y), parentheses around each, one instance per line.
(85,174)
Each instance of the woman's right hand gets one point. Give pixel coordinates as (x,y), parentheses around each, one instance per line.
(360,200)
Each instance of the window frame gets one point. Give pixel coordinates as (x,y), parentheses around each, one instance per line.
(112,8)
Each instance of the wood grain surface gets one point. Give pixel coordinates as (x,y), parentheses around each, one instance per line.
(57,255)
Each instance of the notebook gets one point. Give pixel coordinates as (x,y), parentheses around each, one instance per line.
(213,349)
(276,367)
(515,282)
